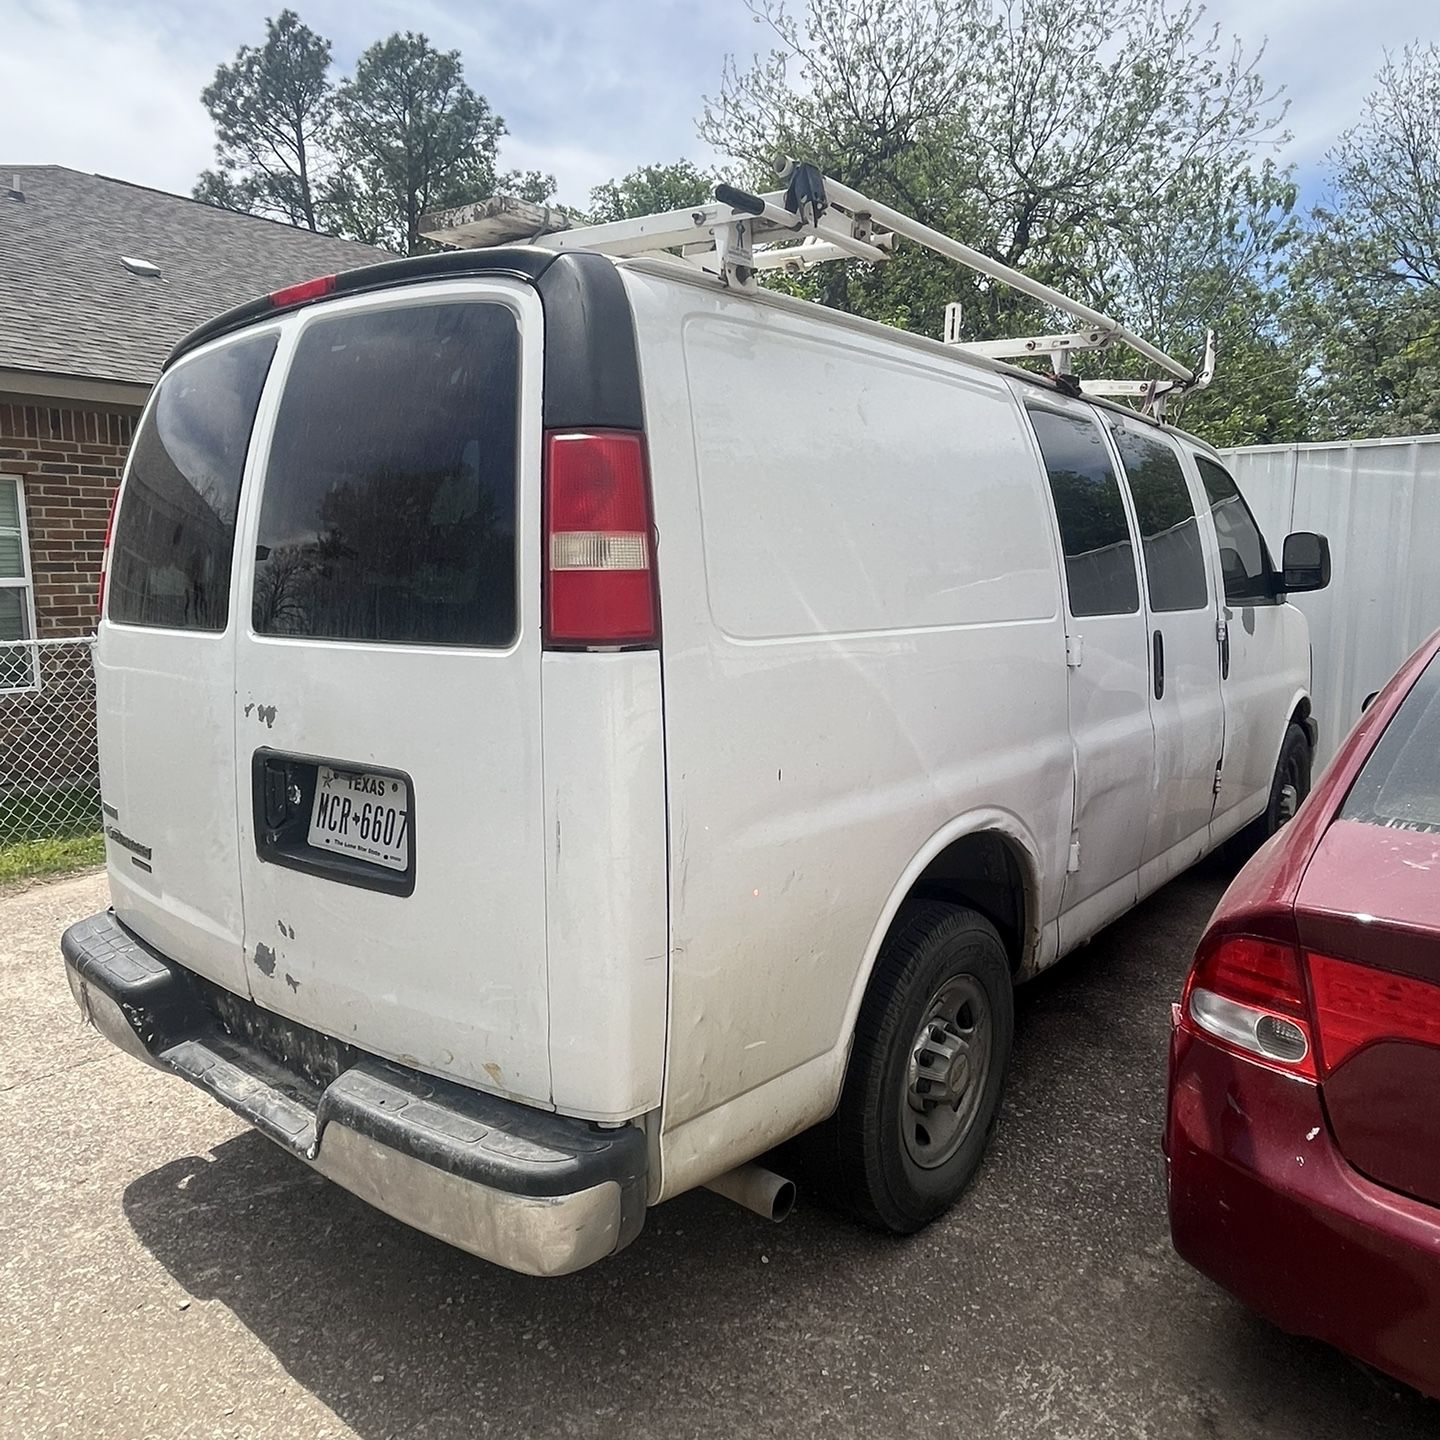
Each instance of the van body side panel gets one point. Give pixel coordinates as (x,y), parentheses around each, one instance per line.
(860,606)
(605,869)
(366,650)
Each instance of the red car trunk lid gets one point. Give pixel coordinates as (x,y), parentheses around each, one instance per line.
(1368,914)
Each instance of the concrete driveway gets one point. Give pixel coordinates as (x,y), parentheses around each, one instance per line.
(166,1272)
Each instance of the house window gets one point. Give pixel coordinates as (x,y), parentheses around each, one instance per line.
(18,670)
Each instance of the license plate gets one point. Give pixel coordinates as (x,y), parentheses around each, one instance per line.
(361,814)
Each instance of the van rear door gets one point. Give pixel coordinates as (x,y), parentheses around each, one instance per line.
(164,663)
(387,684)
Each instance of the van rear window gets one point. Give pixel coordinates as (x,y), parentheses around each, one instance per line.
(389,505)
(175,533)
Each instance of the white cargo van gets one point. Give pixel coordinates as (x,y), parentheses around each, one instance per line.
(571,723)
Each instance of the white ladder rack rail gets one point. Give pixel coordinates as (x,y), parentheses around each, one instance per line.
(738,235)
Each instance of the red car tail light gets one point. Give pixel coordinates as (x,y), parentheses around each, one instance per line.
(1249,993)
(1357,1004)
(599,556)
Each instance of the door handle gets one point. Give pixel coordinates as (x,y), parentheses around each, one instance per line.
(1224,632)
(1157,648)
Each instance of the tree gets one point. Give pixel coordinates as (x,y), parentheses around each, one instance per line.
(271,107)
(650,190)
(1365,304)
(1110,152)
(410,136)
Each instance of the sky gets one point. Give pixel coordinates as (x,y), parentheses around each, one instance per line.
(590,89)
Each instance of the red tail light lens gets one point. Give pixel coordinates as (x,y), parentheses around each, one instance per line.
(314,289)
(1357,1004)
(1249,994)
(599,555)
(105,556)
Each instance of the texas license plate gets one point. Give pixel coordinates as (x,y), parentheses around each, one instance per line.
(361,814)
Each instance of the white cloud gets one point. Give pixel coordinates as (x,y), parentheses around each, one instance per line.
(103,90)
(1325,53)
(589,88)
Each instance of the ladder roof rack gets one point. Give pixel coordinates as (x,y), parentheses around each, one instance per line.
(815,219)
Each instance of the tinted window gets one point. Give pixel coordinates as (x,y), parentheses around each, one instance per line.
(1244,560)
(1174,561)
(1099,559)
(389,507)
(175,533)
(1400,784)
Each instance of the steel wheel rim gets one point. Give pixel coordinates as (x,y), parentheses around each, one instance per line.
(946,1072)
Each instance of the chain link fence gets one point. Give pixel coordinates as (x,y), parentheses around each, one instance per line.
(49,772)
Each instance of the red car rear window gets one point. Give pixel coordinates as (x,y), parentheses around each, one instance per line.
(1400,784)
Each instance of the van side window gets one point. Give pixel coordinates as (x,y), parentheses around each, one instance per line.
(175,532)
(389,505)
(1099,557)
(1244,561)
(1169,531)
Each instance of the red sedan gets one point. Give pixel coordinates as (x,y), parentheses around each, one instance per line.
(1303,1137)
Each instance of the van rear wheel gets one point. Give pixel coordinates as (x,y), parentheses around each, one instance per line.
(932,1046)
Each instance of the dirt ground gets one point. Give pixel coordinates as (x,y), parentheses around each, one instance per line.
(167,1272)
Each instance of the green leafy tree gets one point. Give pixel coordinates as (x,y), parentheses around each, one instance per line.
(651,190)
(271,106)
(1111,152)
(1364,305)
(410,136)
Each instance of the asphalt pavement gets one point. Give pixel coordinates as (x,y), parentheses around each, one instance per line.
(164,1271)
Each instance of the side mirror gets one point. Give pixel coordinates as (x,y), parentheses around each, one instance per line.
(1306,562)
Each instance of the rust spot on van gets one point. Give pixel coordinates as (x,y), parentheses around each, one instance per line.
(291,981)
(494,1072)
(264,959)
(249,707)
(267,714)
(288,931)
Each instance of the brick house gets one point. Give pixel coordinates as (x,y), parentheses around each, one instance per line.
(98,280)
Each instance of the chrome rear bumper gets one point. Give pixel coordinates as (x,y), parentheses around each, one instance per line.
(536,1192)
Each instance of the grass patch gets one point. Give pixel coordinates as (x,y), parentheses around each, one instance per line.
(50,831)
(56,813)
(51,855)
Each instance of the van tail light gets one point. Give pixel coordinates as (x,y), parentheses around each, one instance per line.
(1248,993)
(1358,1004)
(600,588)
(105,556)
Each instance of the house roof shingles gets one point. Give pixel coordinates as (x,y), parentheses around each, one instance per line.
(69,307)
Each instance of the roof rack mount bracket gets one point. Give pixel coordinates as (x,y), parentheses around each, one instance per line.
(814,220)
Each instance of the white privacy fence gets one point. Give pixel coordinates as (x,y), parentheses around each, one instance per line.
(1379,502)
(49,774)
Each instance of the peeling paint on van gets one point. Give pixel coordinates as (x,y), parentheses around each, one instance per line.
(264,959)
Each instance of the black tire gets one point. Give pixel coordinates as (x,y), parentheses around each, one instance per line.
(874,1137)
(1288,787)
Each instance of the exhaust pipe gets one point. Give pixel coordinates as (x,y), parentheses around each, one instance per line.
(769,1195)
